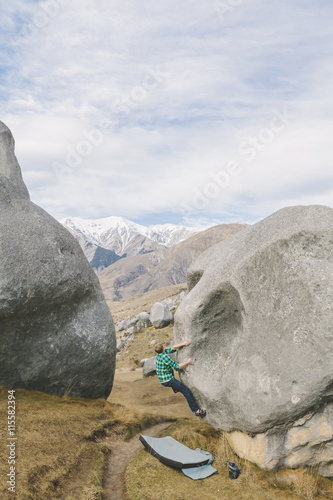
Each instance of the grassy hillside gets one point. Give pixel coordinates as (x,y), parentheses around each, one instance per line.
(143,302)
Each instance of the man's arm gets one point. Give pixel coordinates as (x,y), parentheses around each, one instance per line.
(184,344)
(184,365)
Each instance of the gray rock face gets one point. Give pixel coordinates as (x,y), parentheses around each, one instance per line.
(160,316)
(57,333)
(149,367)
(260,318)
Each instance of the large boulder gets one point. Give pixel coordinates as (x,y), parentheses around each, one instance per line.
(259,315)
(160,316)
(56,331)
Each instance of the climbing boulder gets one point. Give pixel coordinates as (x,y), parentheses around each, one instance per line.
(160,316)
(259,315)
(57,333)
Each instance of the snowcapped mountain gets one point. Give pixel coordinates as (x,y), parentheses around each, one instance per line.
(123,236)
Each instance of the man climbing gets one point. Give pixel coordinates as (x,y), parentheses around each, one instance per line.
(164,369)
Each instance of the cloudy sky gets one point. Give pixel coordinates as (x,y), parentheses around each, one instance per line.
(164,111)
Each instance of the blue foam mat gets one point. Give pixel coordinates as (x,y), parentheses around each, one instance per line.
(199,472)
(171,452)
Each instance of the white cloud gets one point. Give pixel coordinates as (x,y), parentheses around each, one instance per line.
(181,89)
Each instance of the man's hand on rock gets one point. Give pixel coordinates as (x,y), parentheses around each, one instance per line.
(186,343)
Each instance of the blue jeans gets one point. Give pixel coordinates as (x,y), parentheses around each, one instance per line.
(178,386)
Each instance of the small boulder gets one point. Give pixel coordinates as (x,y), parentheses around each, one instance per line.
(169,303)
(122,325)
(142,321)
(149,367)
(160,316)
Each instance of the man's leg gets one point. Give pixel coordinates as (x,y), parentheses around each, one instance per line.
(180,387)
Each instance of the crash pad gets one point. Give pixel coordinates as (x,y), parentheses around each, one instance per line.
(171,452)
(199,472)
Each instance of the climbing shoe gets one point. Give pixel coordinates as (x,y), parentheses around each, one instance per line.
(200,413)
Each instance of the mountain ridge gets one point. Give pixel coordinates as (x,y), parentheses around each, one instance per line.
(139,274)
(123,237)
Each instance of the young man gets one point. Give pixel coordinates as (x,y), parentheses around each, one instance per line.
(164,369)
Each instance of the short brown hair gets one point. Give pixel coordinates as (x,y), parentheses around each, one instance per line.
(159,348)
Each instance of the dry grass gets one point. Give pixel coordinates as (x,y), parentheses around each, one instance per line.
(148,479)
(55,436)
(147,395)
(61,444)
(305,482)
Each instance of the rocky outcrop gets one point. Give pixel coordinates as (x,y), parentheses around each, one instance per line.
(306,442)
(57,333)
(259,315)
(160,315)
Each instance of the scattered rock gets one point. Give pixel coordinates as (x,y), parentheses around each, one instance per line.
(169,303)
(181,297)
(119,345)
(143,321)
(57,333)
(128,335)
(138,322)
(259,315)
(160,316)
(149,367)
(122,325)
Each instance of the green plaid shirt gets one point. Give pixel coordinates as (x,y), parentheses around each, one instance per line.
(165,365)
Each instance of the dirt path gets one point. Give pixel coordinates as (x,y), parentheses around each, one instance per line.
(121,454)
